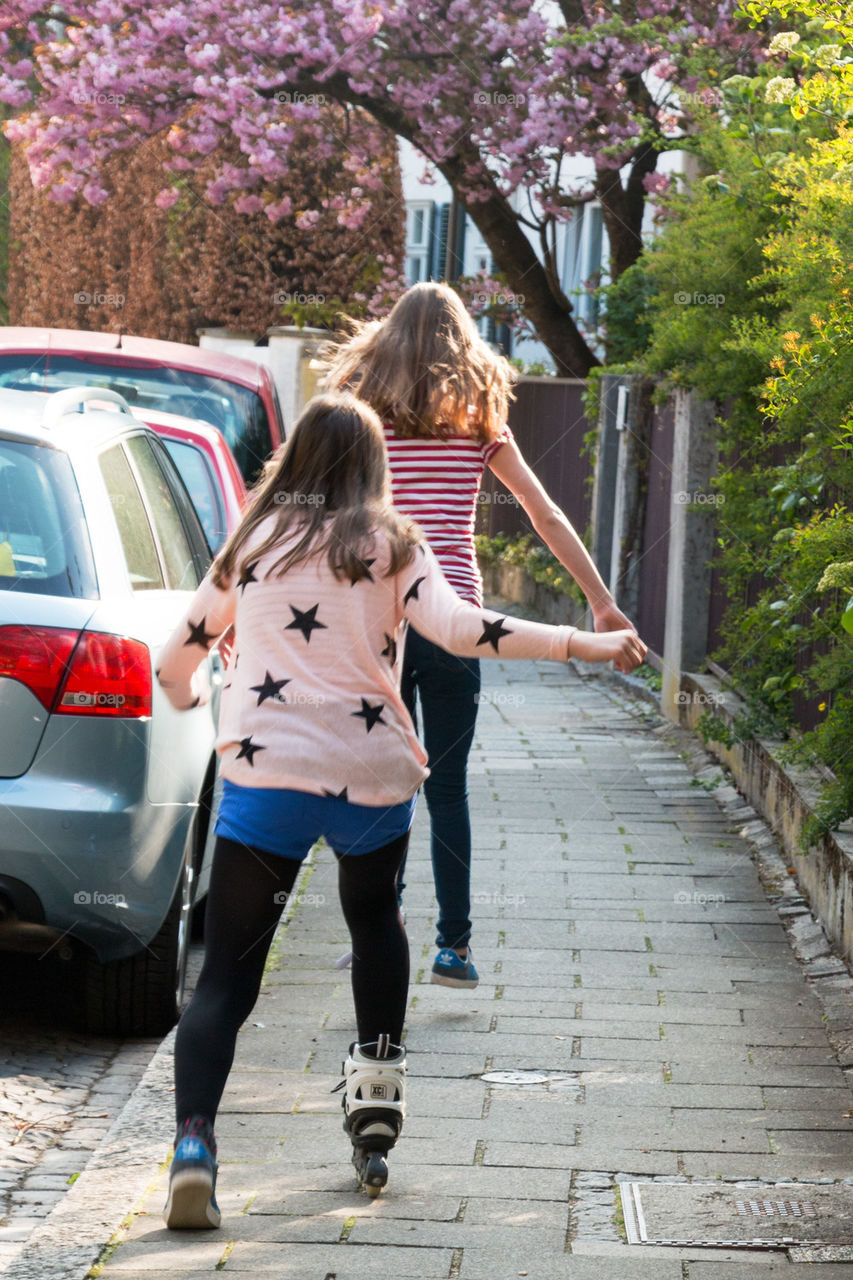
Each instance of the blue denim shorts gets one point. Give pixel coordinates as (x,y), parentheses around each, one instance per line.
(288,823)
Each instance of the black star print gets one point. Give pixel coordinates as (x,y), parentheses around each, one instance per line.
(248,749)
(269,689)
(247,575)
(305,622)
(370,715)
(412,593)
(368,577)
(492,633)
(390,650)
(199,636)
(336,795)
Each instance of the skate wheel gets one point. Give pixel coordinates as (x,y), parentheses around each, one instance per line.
(374,1174)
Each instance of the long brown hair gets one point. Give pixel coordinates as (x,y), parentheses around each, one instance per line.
(425,368)
(328,484)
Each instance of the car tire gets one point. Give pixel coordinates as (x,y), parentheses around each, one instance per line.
(142,994)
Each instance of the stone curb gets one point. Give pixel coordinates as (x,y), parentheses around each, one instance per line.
(74,1235)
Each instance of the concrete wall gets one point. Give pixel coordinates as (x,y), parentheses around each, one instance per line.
(784,796)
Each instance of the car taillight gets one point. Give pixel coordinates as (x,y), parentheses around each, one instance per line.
(107,676)
(37,656)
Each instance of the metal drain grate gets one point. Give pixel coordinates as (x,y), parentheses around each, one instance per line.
(775,1208)
(737,1216)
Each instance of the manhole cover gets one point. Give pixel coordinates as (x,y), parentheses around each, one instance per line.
(561,1080)
(515,1077)
(742,1216)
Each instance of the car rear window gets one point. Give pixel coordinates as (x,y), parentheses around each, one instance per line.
(44,542)
(237,411)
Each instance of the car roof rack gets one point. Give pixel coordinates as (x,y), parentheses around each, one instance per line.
(75,400)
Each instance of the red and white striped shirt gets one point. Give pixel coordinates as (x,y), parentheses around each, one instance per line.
(435,482)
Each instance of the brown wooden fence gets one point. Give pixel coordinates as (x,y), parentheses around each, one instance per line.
(548,422)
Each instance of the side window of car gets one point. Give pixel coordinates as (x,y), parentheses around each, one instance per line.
(137,539)
(177,552)
(200,480)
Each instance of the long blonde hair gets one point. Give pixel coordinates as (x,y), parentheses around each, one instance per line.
(329,484)
(425,368)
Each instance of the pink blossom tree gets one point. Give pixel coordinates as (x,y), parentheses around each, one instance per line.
(498,96)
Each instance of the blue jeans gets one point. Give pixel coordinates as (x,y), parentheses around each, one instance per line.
(448,688)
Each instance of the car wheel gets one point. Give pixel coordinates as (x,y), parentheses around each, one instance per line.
(142,994)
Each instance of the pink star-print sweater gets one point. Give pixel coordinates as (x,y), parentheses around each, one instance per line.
(311,698)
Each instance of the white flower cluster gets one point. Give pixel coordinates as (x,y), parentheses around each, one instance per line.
(827,55)
(780,89)
(783,42)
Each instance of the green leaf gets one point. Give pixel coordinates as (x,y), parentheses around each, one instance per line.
(847,617)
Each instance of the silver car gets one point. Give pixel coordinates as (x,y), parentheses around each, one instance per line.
(105,790)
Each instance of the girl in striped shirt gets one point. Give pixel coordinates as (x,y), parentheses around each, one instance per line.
(442,395)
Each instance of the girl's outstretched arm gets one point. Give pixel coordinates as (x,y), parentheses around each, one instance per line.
(558,534)
(437,612)
(210,613)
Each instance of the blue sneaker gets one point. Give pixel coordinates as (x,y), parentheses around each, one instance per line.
(192,1181)
(449,970)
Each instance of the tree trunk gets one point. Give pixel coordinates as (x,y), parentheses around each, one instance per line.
(516,259)
(622,208)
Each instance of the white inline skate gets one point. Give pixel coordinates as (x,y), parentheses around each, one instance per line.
(374,1107)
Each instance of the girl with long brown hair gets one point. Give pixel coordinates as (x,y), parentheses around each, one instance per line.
(442,395)
(315,740)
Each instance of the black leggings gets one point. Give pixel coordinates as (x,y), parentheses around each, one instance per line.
(248,891)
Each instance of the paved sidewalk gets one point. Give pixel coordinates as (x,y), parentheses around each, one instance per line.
(627,952)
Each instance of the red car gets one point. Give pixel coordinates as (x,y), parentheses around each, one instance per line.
(207,468)
(236,396)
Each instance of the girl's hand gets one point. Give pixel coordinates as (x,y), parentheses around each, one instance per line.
(624,649)
(610,618)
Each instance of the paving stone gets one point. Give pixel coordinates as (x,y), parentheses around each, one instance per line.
(744,1050)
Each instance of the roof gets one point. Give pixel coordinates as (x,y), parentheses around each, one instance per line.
(180,355)
(22,415)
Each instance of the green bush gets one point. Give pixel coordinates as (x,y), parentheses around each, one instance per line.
(749,304)
(534,557)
